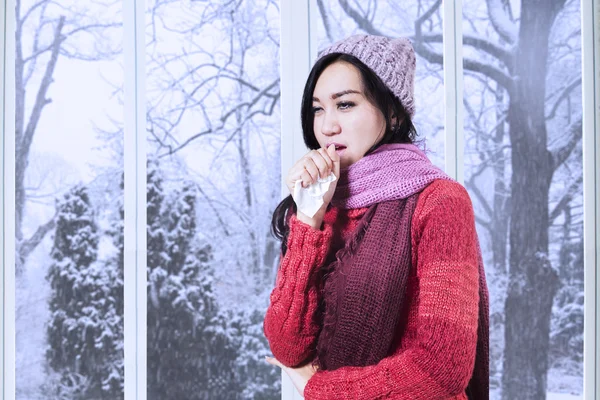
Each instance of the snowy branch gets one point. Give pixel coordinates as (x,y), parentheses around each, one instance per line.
(501,22)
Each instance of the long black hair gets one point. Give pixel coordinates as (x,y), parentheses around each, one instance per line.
(377,93)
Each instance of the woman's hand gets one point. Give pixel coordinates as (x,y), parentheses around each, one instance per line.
(315,164)
(299,376)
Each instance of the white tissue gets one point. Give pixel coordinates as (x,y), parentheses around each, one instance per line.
(310,199)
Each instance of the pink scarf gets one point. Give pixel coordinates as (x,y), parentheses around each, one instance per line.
(392,172)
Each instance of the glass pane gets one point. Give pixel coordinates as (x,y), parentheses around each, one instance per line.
(213,132)
(523,169)
(69,216)
(395,18)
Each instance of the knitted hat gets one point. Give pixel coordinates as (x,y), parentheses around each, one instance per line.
(392,60)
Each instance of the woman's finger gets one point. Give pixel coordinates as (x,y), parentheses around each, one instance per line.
(323,152)
(310,166)
(306,178)
(321,160)
(274,361)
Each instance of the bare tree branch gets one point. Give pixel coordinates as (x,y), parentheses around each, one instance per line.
(471,65)
(573,189)
(21,21)
(212,206)
(41,100)
(228,114)
(87,28)
(362,22)
(482,200)
(426,15)
(471,185)
(28,245)
(325,19)
(430,55)
(503,55)
(250,103)
(486,224)
(564,94)
(560,155)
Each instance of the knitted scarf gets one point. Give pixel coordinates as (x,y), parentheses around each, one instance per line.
(364,289)
(392,172)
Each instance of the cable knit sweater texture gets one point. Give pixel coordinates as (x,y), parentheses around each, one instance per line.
(435,356)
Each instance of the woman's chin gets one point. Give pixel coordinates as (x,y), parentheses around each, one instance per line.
(345,163)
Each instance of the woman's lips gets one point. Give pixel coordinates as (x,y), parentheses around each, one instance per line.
(339,148)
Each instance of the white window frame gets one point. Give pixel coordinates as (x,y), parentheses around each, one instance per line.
(590,47)
(7,201)
(298,51)
(453,89)
(135,252)
(295,57)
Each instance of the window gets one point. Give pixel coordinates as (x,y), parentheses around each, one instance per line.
(529,211)
(137,259)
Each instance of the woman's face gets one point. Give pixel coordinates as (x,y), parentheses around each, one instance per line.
(342,114)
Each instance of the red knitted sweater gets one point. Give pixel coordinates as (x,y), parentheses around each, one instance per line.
(435,356)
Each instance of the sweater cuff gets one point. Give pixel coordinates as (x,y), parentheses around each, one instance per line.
(304,237)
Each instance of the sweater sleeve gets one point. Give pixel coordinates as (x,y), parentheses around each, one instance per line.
(437,363)
(290,325)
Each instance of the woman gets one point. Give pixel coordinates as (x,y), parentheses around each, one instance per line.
(381,293)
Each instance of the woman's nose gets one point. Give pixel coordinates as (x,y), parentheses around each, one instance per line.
(330,125)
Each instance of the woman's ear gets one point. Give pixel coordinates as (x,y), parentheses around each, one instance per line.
(396,122)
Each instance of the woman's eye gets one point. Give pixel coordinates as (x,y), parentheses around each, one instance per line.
(344,105)
(315,109)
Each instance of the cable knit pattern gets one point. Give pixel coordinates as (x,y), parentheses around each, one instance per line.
(392,60)
(294,298)
(435,356)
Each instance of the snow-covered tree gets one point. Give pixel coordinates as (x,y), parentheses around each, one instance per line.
(259,379)
(190,353)
(85,328)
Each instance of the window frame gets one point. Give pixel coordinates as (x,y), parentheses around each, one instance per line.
(7,201)
(590,47)
(135,241)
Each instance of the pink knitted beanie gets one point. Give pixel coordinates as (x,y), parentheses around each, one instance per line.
(392,60)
